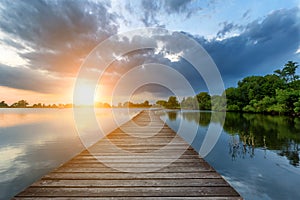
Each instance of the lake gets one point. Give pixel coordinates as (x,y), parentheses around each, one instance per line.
(258,155)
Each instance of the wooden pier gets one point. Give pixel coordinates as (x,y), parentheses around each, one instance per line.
(142,159)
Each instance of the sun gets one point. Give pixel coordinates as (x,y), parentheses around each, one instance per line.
(83,94)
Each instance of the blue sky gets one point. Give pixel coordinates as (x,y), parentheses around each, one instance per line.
(44,42)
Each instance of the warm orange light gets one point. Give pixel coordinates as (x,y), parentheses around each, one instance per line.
(11,95)
(84,94)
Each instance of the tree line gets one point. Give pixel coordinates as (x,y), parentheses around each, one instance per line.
(277,93)
(24,104)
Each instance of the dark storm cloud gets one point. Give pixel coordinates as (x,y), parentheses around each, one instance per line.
(258,47)
(227,28)
(144,57)
(152,9)
(26,79)
(178,6)
(59,32)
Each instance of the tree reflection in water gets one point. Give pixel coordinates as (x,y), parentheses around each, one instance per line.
(172,115)
(277,133)
(249,132)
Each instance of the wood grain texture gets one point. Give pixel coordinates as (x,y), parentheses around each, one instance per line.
(142,159)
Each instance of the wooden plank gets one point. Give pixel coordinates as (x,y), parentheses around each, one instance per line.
(130,191)
(103,168)
(118,156)
(133,198)
(160,164)
(118,153)
(130,183)
(122,175)
(134,165)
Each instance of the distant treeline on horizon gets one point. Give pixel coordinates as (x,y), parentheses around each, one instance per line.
(277,93)
(25,104)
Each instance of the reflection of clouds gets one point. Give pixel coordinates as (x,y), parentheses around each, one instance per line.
(45,140)
(16,117)
(10,167)
(246,188)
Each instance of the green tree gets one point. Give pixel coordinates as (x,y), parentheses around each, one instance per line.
(288,73)
(20,104)
(287,99)
(297,106)
(146,104)
(189,103)
(172,103)
(233,99)
(218,103)
(204,101)
(161,103)
(249,89)
(261,105)
(3,104)
(290,69)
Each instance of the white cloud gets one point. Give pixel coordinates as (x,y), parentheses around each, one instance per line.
(173,57)
(161,49)
(10,57)
(120,58)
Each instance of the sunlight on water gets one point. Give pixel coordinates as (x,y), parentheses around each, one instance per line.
(16,117)
(35,141)
(258,155)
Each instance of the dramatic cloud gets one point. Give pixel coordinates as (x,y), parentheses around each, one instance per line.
(258,47)
(228,28)
(152,11)
(255,49)
(53,37)
(59,33)
(28,79)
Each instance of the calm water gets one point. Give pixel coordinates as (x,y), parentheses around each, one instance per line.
(258,155)
(35,141)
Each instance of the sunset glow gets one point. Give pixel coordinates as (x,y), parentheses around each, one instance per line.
(149,99)
(84,94)
(40,63)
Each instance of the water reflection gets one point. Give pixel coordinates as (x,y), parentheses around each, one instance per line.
(258,155)
(250,131)
(16,117)
(172,115)
(39,140)
(267,132)
(241,147)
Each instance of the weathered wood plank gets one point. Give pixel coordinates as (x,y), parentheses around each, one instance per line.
(118,153)
(164,166)
(134,198)
(130,183)
(130,191)
(132,165)
(122,175)
(103,168)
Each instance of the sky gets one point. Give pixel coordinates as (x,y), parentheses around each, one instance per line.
(44,43)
